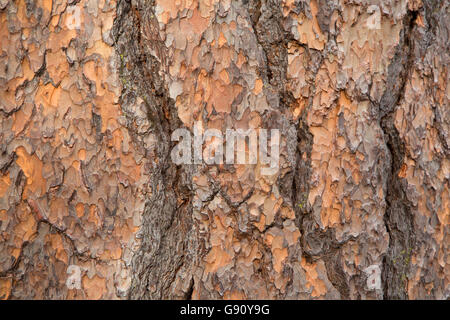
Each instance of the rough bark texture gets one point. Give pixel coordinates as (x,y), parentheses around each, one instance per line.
(92,207)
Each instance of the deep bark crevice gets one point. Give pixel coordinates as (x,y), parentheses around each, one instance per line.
(165,232)
(398,217)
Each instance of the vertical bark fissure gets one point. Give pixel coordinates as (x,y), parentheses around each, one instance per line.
(266,18)
(167,222)
(398,217)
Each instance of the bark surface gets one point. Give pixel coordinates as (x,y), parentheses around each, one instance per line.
(92,207)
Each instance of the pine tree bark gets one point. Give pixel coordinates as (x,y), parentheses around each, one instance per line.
(92,207)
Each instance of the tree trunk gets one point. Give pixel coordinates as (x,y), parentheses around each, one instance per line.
(93,207)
